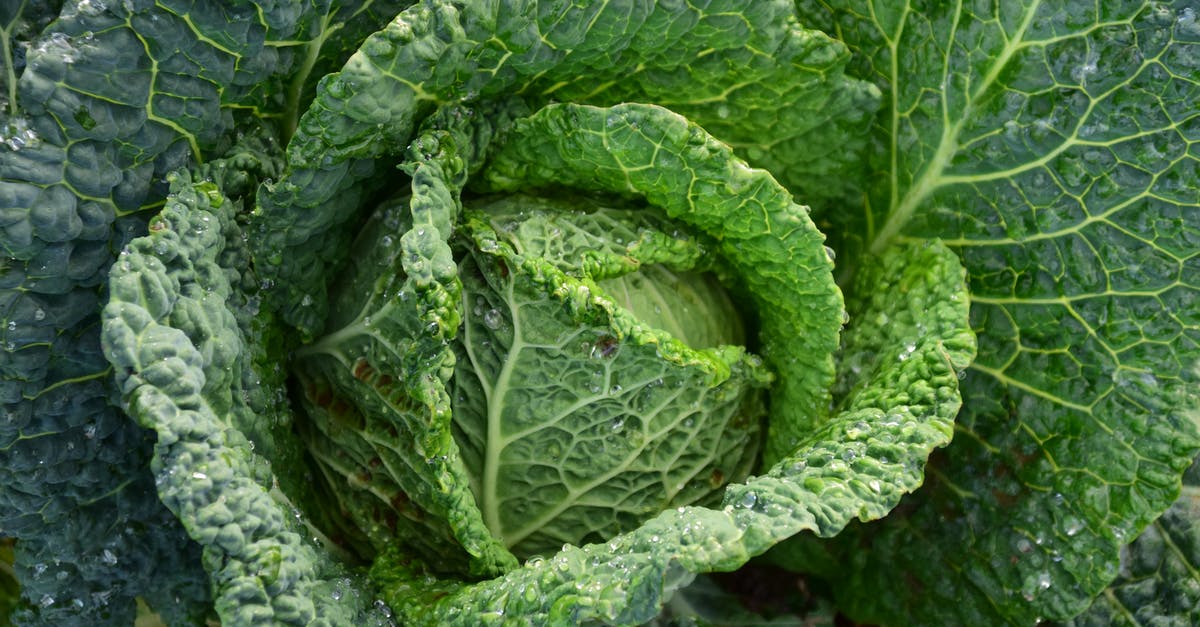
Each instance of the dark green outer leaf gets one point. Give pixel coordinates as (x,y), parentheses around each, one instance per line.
(1054,145)
(1159,579)
(113,97)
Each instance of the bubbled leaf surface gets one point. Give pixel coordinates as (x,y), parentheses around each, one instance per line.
(180,362)
(716,60)
(855,465)
(1054,147)
(99,107)
(1159,579)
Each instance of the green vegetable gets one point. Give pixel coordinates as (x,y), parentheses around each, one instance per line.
(535,311)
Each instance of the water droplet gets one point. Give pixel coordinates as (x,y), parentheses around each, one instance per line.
(748,500)
(17,134)
(492,319)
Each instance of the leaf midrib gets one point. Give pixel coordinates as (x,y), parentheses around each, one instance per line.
(903,208)
(490,493)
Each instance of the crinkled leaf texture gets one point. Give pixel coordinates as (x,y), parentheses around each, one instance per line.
(98,107)
(181,362)
(1053,146)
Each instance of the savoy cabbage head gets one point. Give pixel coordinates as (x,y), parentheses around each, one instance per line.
(534,312)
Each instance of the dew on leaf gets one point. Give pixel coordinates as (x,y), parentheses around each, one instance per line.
(492,319)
